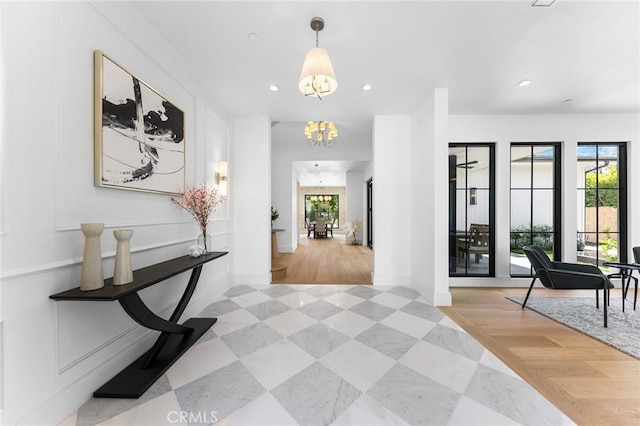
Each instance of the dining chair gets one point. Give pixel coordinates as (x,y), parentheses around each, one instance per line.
(311,228)
(320,229)
(330,227)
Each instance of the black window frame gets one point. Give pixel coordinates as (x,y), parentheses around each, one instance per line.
(492,209)
(623,205)
(557,200)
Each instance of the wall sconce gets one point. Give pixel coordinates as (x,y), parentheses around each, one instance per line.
(473,196)
(222,178)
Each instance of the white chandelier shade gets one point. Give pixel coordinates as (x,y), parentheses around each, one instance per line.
(317,76)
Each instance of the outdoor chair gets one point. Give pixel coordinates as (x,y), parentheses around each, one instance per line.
(567,276)
(475,242)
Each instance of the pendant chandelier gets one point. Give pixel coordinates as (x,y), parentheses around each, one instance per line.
(321,133)
(317,77)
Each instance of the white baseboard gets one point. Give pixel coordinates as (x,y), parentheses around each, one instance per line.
(391,279)
(252,279)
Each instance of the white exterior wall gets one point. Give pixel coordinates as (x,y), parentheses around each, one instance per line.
(569,129)
(55,354)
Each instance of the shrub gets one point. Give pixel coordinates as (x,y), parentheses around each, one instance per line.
(539,235)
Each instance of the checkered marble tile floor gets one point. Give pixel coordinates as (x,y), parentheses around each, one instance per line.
(330,355)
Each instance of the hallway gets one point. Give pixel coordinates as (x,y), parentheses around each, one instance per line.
(327,261)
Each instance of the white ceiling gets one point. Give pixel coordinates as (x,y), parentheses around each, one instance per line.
(587,51)
(326,173)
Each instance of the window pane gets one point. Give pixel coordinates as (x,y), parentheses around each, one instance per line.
(543,173)
(477,167)
(543,207)
(461,178)
(609,247)
(590,248)
(521,166)
(520,265)
(607,219)
(520,209)
(607,152)
(461,211)
(588,223)
(586,173)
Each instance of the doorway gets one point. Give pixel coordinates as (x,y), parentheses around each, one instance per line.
(370,213)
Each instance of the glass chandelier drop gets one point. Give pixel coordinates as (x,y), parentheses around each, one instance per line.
(321,133)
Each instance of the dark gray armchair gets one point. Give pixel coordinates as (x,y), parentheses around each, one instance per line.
(567,276)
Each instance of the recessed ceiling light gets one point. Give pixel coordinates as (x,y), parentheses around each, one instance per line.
(253,37)
(524,83)
(274,88)
(366,87)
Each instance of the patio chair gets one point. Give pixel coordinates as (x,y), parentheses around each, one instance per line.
(567,276)
(475,242)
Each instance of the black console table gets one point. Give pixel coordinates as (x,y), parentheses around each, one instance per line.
(174,340)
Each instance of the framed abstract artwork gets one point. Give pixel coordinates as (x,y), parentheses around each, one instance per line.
(139,134)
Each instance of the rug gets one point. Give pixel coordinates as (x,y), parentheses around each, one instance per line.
(580,313)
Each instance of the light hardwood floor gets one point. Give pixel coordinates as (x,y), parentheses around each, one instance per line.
(327,261)
(589,381)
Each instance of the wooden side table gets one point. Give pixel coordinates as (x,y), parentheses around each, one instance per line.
(278,270)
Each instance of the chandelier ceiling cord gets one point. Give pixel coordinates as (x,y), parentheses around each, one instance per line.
(317,77)
(321,133)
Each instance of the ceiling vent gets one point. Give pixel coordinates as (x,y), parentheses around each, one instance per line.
(542,3)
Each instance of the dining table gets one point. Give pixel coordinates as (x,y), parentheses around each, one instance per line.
(626,275)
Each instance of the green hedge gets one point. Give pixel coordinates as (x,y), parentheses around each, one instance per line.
(539,235)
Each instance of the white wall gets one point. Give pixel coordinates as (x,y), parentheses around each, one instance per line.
(289,145)
(355,199)
(429,211)
(392,200)
(252,189)
(55,354)
(569,129)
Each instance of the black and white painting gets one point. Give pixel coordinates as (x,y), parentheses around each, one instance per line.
(139,135)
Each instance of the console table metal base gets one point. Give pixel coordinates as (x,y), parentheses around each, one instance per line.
(134,380)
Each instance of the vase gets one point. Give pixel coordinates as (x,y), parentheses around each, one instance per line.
(91,277)
(122,271)
(204,240)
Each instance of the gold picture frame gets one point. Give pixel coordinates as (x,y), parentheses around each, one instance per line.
(139,135)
